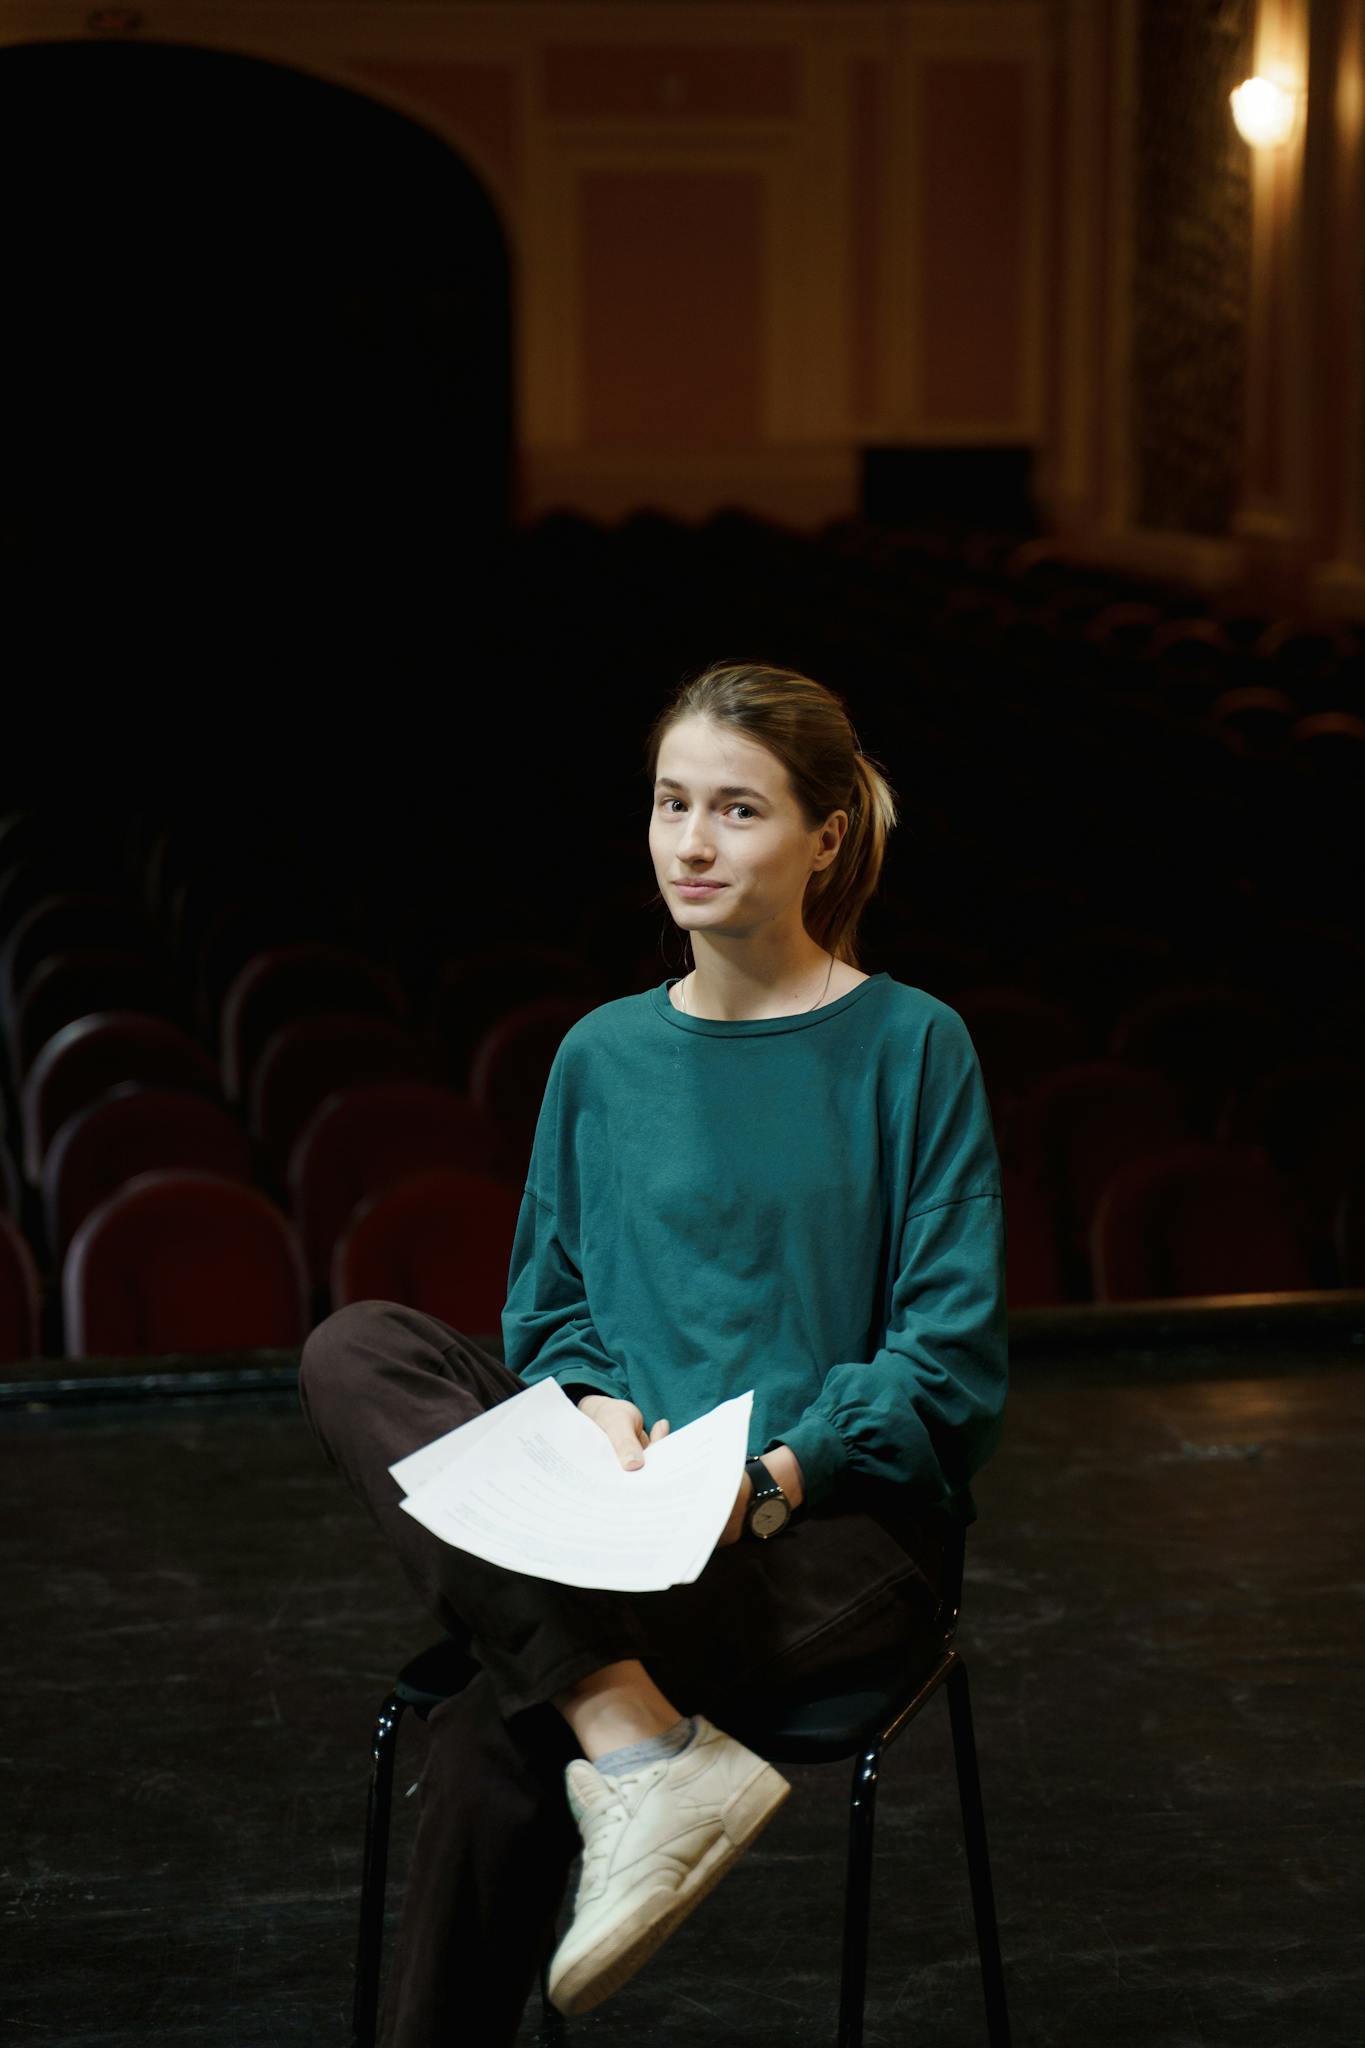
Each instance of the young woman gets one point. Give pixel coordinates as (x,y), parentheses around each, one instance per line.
(776,1172)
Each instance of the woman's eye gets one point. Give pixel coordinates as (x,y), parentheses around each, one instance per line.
(669,802)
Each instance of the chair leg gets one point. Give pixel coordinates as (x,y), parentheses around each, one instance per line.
(978,1856)
(857,1897)
(374,1871)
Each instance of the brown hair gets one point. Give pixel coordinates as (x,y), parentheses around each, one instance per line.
(807,728)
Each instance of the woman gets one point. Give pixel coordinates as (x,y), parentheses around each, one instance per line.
(776,1172)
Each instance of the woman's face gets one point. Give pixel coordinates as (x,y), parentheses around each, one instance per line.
(724,813)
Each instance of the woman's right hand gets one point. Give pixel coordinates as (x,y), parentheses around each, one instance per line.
(623,1425)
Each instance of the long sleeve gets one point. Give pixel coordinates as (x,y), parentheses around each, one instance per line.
(547,1328)
(925,1410)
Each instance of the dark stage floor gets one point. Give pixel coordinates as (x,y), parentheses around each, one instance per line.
(1163,1624)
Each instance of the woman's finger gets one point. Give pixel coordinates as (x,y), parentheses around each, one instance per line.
(660,1429)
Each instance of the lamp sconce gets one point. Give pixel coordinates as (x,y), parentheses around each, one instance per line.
(1266,112)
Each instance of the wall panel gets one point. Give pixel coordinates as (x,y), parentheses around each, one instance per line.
(671,299)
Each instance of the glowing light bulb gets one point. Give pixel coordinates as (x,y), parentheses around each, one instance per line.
(1264,112)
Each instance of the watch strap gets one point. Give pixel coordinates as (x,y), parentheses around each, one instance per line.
(761,1479)
(765,1488)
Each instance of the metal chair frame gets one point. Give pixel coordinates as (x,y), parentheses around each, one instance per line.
(832,1728)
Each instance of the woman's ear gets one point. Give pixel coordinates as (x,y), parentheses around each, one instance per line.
(831,839)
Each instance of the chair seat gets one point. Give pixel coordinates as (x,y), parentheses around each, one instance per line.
(809,1726)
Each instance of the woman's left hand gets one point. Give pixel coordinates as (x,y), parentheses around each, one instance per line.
(734,1528)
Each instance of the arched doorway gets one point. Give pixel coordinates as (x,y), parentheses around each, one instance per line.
(259,355)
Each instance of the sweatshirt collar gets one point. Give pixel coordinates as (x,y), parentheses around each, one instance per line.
(754,1027)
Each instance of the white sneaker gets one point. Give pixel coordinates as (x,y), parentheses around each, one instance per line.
(655,1842)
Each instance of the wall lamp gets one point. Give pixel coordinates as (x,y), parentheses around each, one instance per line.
(1265,112)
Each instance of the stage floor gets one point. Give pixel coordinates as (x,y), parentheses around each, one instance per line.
(1163,1626)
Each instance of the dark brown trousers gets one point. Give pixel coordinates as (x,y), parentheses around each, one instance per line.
(846,1582)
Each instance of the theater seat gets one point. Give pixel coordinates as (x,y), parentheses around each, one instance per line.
(1195,1220)
(93,1054)
(363,1139)
(309,1059)
(472,992)
(182,1261)
(19,1296)
(129,1131)
(284,982)
(512,1062)
(1074,1129)
(1210,1041)
(1018,1037)
(63,923)
(439,1241)
(70,985)
(1309,1116)
(1035,1276)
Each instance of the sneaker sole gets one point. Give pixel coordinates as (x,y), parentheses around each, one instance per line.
(601,1971)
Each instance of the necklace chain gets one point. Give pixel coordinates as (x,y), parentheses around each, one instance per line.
(814,1006)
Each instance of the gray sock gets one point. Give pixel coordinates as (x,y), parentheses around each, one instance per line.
(669,1743)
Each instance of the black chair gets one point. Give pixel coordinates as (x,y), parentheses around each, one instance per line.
(802,1727)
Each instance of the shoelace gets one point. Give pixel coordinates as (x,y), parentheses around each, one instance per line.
(598,1847)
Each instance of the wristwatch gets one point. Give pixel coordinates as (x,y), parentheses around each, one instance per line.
(769,1511)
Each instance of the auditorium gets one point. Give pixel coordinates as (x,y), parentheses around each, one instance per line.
(557,556)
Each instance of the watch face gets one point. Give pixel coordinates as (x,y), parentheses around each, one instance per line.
(768,1517)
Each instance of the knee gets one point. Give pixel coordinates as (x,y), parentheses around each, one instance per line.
(340,1355)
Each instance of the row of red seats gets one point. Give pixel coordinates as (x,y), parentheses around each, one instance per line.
(1210,1041)
(186,1261)
(1077,1151)
(71,955)
(178,1261)
(116,1095)
(1313,1108)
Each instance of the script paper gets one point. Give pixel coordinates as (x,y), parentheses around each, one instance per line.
(547,1495)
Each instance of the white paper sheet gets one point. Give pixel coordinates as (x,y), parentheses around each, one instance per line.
(548,1496)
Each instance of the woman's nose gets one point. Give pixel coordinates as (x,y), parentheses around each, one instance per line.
(695,838)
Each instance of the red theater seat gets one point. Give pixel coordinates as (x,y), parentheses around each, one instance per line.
(1074,1130)
(1309,1115)
(512,1063)
(1018,1037)
(1209,1041)
(70,985)
(63,924)
(309,1059)
(285,982)
(1034,1274)
(363,1139)
(473,992)
(183,1262)
(129,1131)
(19,1296)
(1197,1220)
(440,1241)
(96,1053)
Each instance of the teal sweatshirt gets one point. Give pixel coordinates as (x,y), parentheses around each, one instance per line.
(809,1206)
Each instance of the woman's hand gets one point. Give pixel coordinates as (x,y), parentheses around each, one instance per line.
(734,1528)
(623,1425)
